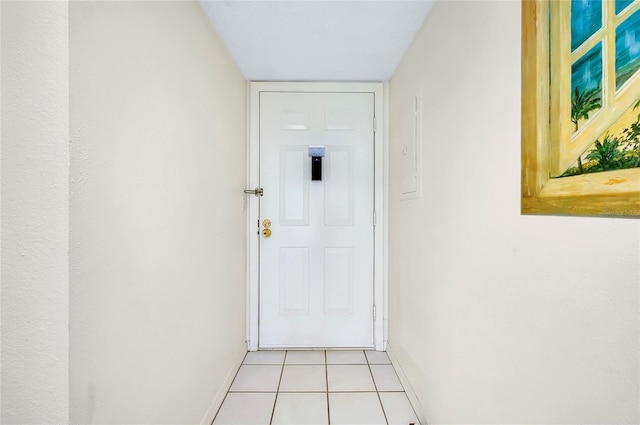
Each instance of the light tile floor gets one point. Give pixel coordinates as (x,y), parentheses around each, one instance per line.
(316,387)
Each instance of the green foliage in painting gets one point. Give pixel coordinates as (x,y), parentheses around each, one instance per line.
(632,135)
(606,154)
(613,152)
(583,103)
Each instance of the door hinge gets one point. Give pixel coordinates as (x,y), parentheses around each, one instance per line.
(375,218)
(374,312)
(375,124)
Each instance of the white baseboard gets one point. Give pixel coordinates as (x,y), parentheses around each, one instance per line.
(210,415)
(408,388)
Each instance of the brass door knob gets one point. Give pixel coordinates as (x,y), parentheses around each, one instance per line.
(266,233)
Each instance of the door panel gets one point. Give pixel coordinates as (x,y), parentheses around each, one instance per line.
(294,186)
(294,281)
(338,280)
(316,268)
(338,186)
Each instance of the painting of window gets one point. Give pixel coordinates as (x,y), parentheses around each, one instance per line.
(581,107)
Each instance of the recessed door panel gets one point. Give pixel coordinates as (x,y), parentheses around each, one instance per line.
(338,280)
(338,119)
(294,186)
(338,192)
(294,120)
(294,281)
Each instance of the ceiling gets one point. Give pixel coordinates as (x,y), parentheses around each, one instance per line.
(317,40)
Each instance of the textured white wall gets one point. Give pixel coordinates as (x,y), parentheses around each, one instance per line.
(35,212)
(157,255)
(498,317)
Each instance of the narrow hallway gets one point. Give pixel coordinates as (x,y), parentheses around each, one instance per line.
(126,293)
(316,387)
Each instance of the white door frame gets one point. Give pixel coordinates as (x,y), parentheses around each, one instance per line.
(381,183)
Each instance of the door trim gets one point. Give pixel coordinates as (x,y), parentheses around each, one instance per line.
(381,183)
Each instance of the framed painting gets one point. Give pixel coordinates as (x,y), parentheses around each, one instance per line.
(581,107)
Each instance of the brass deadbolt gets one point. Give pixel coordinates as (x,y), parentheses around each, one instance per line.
(266,223)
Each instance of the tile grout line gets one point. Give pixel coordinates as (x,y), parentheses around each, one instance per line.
(326,375)
(403,391)
(327,392)
(229,390)
(273,411)
(376,387)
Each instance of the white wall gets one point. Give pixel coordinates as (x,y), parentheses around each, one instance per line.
(157,255)
(35,212)
(498,317)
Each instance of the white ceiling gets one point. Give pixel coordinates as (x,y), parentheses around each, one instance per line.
(317,40)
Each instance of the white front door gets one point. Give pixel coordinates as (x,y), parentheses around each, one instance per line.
(317,266)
